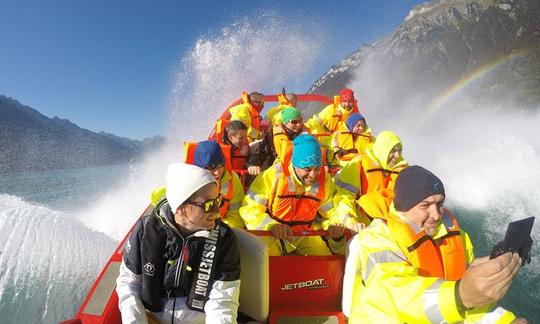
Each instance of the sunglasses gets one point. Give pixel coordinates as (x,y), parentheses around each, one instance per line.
(213,167)
(208,206)
(296,121)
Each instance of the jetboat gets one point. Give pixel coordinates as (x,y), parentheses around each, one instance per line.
(274,289)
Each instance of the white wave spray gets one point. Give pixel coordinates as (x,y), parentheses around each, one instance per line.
(47,260)
(262,55)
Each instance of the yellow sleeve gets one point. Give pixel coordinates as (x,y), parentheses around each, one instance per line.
(338,207)
(327,210)
(487,314)
(469,249)
(386,278)
(232,217)
(319,123)
(272,114)
(157,195)
(349,178)
(253,210)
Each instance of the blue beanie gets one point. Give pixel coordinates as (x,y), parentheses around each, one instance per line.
(208,153)
(353,119)
(306,152)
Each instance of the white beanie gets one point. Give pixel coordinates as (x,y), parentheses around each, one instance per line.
(183,180)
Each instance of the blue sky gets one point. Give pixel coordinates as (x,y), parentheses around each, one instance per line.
(110,65)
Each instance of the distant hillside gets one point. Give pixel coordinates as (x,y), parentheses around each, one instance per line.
(32,141)
(442,42)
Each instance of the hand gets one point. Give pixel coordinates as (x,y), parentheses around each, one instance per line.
(340,152)
(282,232)
(487,281)
(336,230)
(477,261)
(356,227)
(254,170)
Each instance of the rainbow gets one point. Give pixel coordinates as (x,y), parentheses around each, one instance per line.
(458,88)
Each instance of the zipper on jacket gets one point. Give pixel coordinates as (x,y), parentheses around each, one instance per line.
(180,263)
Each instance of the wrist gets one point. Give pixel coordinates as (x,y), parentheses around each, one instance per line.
(459,302)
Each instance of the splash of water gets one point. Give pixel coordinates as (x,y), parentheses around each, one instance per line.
(46,259)
(457,89)
(487,158)
(246,56)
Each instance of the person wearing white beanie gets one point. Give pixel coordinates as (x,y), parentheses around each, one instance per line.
(183,180)
(163,274)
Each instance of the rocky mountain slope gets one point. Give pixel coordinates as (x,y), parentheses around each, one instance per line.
(442,43)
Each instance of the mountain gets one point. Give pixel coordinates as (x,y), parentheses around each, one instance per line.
(32,141)
(443,45)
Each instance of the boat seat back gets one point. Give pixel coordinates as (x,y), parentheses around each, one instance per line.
(254,276)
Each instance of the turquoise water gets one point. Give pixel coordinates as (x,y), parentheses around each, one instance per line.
(64,190)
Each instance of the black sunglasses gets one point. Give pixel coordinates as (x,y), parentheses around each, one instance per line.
(213,167)
(211,205)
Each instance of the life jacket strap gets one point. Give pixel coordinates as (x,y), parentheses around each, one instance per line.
(426,237)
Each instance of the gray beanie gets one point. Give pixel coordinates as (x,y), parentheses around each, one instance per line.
(413,184)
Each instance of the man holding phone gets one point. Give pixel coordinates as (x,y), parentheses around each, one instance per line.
(416,261)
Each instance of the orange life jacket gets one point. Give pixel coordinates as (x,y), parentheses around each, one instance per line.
(253,113)
(337,116)
(287,206)
(280,139)
(375,178)
(346,142)
(225,189)
(239,156)
(444,257)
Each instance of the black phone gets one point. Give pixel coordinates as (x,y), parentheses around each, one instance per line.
(517,239)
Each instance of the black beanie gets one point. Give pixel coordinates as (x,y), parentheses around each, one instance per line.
(413,184)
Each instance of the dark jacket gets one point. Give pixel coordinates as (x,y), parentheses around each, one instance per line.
(171,265)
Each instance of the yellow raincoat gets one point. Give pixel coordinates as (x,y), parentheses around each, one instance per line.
(247,114)
(327,121)
(274,113)
(381,285)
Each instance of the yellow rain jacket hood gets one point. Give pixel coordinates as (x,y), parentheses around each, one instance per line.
(379,151)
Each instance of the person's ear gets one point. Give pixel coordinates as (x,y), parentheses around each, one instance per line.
(181,210)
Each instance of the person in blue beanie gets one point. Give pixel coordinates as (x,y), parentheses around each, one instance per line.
(351,139)
(291,195)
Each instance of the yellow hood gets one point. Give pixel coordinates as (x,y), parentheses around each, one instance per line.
(384,143)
